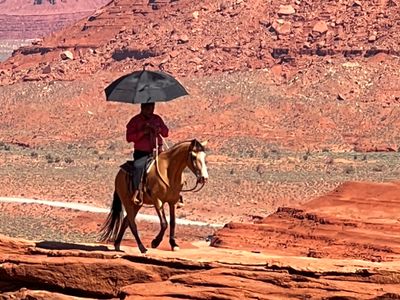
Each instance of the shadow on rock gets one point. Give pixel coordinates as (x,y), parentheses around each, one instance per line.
(69,246)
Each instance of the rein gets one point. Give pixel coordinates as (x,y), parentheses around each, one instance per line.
(193,189)
(156,161)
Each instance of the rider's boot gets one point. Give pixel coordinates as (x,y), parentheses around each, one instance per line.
(136,199)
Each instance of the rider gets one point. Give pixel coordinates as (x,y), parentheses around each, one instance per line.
(145,130)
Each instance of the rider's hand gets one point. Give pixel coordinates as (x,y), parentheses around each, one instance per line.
(153,128)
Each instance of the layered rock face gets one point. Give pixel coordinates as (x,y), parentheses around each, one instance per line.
(35,19)
(19,27)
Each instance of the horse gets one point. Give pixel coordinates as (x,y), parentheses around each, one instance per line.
(162,184)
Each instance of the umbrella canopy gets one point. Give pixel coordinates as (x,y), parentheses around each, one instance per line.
(145,87)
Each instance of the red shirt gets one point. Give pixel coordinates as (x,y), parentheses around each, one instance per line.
(135,132)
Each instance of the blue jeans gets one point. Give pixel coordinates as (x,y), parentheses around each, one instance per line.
(139,163)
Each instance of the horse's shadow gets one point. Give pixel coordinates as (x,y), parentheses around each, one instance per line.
(54,245)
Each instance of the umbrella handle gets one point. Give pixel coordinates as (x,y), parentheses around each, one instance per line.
(155,150)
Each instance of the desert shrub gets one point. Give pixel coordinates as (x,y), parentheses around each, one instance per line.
(49,158)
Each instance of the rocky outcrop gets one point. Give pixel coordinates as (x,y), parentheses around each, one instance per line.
(341,224)
(34,272)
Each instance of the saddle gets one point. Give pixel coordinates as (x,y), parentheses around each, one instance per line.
(128,167)
(137,181)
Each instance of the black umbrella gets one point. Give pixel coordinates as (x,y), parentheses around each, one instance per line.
(145,87)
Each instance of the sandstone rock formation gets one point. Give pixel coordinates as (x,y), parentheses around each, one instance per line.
(342,224)
(212,37)
(29,270)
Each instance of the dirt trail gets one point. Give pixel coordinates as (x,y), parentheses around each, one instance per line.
(90,208)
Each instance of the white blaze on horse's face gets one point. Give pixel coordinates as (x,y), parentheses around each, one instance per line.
(198,161)
(201,162)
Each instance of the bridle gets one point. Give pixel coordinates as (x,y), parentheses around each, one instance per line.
(197,172)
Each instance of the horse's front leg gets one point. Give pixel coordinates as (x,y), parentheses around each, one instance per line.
(163,223)
(172,222)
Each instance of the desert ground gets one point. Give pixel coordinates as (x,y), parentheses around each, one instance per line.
(300,108)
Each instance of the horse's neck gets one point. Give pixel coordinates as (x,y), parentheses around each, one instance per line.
(176,159)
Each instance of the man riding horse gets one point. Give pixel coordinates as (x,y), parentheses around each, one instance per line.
(164,179)
(146,131)
(162,186)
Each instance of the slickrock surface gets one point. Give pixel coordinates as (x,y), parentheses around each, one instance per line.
(203,273)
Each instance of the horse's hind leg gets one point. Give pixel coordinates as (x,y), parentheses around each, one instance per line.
(121,232)
(163,223)
(123,184)
(172,222)
(131,215)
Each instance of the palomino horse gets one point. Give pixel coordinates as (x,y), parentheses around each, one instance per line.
(163,184)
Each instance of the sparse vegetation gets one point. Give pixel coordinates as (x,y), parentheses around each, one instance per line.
(349,170)
(68,160)
(378,168)
(49,158)
(4,146)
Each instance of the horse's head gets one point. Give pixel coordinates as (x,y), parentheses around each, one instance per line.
(197,161)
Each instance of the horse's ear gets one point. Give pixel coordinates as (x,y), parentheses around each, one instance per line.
(197,146)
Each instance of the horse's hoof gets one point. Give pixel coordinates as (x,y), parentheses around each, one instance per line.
(143,250)
(117,247)
(175,248)
(155,243)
